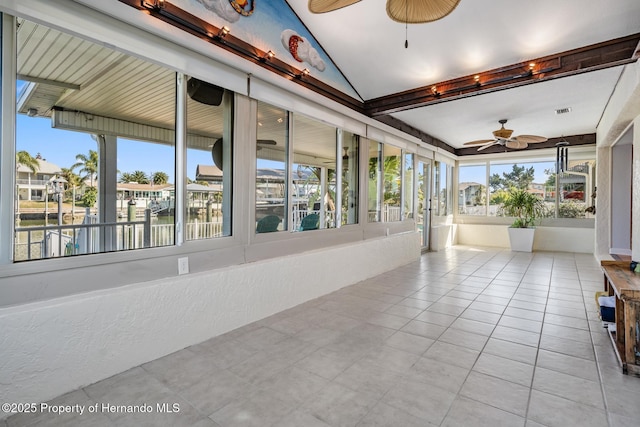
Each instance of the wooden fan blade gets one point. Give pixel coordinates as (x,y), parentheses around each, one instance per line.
(322,6)
(516,144)
(419,11)
(479,142)
(530,139)
(489,144)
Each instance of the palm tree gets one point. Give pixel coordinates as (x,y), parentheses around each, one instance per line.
(159,178)
(73,180)
(26,160)
(139,176)
(88,165)
(126,177)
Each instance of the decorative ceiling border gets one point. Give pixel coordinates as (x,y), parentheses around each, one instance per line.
(220,36)
(586,59)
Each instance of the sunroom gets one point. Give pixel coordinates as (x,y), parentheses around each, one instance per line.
(209,181)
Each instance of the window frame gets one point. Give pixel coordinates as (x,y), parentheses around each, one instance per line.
(133,267)
(586,152)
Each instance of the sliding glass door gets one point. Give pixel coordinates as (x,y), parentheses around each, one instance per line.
(424,201)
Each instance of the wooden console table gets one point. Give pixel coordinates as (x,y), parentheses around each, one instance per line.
(620,281)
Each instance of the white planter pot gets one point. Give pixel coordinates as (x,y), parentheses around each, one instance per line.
(521,239)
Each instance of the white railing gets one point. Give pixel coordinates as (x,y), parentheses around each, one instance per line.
(32,182)
(202,230)
(65,240)
(391,213)
(300,214)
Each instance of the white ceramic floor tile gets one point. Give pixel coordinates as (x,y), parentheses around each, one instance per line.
(466,336)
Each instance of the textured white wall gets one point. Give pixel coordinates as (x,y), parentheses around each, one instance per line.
(483,235)
(49,348)
(635,196)
(603,203)
(561,239)
(621,175)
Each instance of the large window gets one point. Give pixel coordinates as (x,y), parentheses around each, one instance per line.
(298,187)
(209,160)
(271,169)
(472,190)
(408,186)
(573,187)
(529,176)
(576,188)
(86,114)
(350,156)
(392,173)
(442,185)
(390,183)
(374,196)
(313,178)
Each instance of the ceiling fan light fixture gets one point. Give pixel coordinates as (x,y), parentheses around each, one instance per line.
(323,6)
(502,132)
(503,137)
(419,11)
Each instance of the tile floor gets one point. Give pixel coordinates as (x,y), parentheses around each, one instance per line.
(464,337)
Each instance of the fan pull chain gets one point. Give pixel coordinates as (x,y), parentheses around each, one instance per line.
(406,24)
(406,36)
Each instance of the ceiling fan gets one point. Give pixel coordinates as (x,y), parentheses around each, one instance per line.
(503,137)
(404,11)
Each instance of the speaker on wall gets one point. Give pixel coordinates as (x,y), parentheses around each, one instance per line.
(216,153)
(204,92)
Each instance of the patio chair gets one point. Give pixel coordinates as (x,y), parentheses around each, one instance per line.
(268,224)
(310,222)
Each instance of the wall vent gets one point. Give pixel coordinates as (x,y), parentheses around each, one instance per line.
(563,110)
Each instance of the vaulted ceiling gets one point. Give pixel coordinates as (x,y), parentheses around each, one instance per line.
(495,40)
(485,61)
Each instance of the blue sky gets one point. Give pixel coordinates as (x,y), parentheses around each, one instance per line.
(60,147)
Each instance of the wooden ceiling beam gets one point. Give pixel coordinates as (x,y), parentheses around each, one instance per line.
(607,54)
(179,18)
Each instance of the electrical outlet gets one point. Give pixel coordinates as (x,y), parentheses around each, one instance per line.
(183,265)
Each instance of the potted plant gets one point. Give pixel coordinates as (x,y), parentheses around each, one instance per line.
(526,208)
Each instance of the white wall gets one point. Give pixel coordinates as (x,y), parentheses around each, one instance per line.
(55,346)
(603,203)
(635,192)
(560,239)
(621,173)
(623,111)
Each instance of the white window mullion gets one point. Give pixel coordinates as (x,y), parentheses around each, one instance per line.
(338,187)
(181,157)
(288,209)
(8,189)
